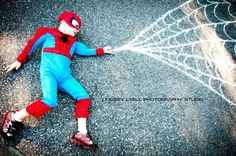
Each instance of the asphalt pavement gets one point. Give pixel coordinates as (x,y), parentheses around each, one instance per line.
(128,115)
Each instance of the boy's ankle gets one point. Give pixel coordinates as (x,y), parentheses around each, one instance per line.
(16,117)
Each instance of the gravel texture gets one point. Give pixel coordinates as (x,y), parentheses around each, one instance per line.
(132,126)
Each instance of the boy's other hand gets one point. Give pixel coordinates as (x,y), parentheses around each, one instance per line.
(16,65)
(108,50)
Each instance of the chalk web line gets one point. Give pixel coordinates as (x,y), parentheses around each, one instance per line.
(175,39)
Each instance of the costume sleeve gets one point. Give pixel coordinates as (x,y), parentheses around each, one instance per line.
(32,44)
(83,50)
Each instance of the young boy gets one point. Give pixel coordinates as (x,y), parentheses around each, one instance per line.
(59,44)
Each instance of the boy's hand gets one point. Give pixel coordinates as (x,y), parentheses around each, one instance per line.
(16,65)
(108,50)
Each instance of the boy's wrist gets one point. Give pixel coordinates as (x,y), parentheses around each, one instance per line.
(21,60)
(100,51)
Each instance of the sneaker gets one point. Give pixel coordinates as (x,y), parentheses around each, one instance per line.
(9,126)
(84,141)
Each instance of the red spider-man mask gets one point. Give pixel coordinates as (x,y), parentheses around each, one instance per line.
(68,17)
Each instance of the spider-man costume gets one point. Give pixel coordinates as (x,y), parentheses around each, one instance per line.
(55,71)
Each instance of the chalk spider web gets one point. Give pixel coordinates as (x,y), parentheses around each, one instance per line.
(176,39)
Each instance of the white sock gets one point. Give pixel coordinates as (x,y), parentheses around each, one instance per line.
(82,126)
(15,117)
(82,130)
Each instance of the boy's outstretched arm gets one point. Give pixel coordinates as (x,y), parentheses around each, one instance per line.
(32,44)
(83,50)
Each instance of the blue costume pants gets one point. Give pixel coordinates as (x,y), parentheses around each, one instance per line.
(68,84)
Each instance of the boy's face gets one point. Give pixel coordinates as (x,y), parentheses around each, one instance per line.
(66,29)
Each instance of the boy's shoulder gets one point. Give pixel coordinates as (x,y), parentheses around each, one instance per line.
(47,29)
(53,31)
(43,30)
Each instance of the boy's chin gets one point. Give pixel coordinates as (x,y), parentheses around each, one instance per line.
(73,35)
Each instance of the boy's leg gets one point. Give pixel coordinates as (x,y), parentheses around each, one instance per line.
(49,100)
(72,87)
(21,115)
(12,119)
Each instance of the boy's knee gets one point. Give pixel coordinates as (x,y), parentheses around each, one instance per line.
(81,96)
(37,109)
(51,102)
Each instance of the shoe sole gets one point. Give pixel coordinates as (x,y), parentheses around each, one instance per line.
(82,145)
